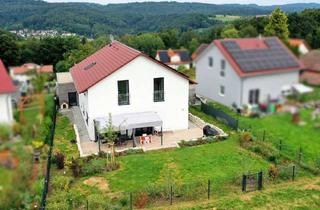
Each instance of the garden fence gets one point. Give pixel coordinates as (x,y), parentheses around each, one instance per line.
(175,191)
(220,115)
(280,146)
(47,176)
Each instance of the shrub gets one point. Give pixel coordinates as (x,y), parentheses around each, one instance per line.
(95,166)
(245,139)
(141,200)
(59,159)
(5,132)
(16,129)
(61,183)
(75,168)
(273,172)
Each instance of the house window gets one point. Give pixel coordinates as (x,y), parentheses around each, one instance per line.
(158,89)
(123,92)
(254,96)
(223,64)
(222,73)
(222,90)
(210,61)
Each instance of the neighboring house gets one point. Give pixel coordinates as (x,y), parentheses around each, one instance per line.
(66,90)
(198,51)
(301,44)
(174,58)
(139,91)
(22,73)
(7,88)
(237,72)
(310,74)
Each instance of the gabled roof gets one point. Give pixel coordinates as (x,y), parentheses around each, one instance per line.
(199,50)
(27,67)
(311,61)
(298,42)
(165,55)
(106,61)
(6,85)
(252,56)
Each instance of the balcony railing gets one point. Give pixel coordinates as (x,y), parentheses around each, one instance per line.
(158,96)
(123,99)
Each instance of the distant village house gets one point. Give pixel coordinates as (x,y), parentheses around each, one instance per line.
(174,58)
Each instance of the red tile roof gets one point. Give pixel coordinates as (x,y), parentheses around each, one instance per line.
(298,42)
(104,62)
(25,68)
(199,50)
(6,85)
(310,77)
(253,46)
(311,61)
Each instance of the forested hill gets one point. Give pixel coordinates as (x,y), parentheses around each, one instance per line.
(94,19)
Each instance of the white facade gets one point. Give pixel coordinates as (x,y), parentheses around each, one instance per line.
(102,98)
(235,88)
(6,115)
(303,49)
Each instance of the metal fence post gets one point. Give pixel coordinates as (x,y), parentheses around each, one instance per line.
(87,204)
(244,183)
(171,195)
(131,207)
(264,135)
(280,145)
(260,177)
(300,154)
(209,188)
(293,172)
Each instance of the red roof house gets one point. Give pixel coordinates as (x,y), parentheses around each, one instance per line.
(6,85)
(238,72)
(311,71)
(138,91)
(6,89)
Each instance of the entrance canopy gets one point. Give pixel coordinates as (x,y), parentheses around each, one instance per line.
(129,121)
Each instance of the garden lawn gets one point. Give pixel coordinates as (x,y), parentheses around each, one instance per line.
(221,162)
(280,127)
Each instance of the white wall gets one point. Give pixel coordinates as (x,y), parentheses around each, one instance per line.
(6,115)
(209,79)
(303,49)
(269,85)
(103,97)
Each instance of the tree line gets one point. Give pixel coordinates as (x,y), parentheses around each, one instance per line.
(64,52)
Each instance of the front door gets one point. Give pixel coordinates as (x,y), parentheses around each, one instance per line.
(72,99)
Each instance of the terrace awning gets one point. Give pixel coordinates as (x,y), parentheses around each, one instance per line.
(129,121)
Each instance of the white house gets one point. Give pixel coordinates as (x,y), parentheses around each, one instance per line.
(22,73)
(237,72)
(140,92)
(6,89)
(301,44)
(174,58)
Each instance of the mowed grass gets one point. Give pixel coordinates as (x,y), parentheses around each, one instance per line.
(280,127)
(220,162)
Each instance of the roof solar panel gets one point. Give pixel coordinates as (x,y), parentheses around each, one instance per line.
(250,60)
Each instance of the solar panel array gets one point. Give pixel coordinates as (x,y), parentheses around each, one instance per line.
(251,60)
(184,56)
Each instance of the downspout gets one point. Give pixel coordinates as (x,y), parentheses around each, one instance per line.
(241,93)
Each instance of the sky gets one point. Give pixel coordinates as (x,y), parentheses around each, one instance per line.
(259,2)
